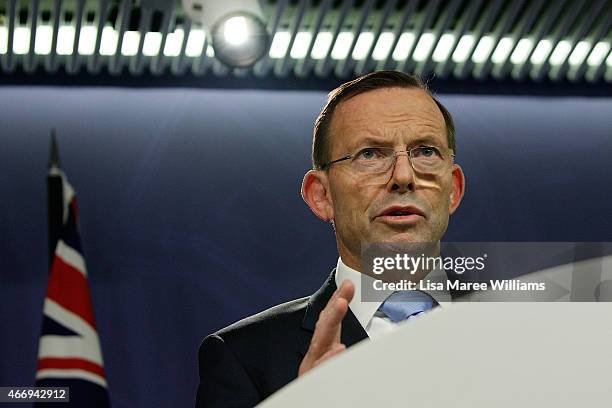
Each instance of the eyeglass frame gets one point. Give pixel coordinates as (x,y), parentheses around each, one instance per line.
(395,154)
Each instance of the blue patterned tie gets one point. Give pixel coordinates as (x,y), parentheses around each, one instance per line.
(402,305)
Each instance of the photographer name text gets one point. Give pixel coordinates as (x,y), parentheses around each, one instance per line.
(427,285)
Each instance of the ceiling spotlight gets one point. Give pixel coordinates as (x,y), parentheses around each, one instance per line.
(235,28)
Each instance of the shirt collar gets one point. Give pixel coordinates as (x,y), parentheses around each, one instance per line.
(364,311)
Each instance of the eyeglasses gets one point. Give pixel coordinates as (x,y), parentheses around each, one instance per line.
(379,160)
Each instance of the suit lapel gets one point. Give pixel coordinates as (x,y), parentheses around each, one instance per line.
(352,331)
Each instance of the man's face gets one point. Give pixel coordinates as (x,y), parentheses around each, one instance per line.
(366,211)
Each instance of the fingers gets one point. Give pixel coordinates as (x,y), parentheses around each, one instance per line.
(335,350)
(325,342)
(328,327)
(346,290)
(309,362)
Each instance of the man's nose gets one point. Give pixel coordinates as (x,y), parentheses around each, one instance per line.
(402,176)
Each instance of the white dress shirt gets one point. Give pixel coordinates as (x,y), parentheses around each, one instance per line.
(376,325)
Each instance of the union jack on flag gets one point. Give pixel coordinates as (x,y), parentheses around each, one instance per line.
(69,353)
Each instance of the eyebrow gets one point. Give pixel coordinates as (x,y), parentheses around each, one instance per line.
(374,141)
(426,139)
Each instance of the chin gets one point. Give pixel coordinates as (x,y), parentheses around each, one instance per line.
(403,234)
(403,237)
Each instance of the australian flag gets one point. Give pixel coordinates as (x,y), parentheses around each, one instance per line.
(69,353)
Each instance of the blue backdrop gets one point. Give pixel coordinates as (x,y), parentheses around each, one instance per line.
(191,216)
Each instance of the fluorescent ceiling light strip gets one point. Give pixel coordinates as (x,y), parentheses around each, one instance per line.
(521,52)
(21,40)
(383,46)
(362,46)
(87,40)
(129,46)
(594,56)
(108,43)
(541,51)
(560,53)
(341,47)
(463,48)
(151,44)
(42,43)
(423,47)
(443,49)
(280,42)
(174,42)
(483,49)
(321,45)
(195,43)
(581,50)
(3,40)
(300,45)
(65,40)
(404,44)
(598,54)
(502,50)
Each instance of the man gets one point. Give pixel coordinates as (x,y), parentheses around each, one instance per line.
(383,151)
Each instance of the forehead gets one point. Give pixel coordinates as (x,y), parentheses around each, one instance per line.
(392,115)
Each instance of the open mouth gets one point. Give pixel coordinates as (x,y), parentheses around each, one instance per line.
(398,213)
(401,214)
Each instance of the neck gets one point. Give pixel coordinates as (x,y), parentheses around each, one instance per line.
(350,260)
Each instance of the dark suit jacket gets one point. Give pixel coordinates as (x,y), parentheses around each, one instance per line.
(244,363)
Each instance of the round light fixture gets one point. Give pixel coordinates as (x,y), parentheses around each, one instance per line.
(235,29)
(239,39)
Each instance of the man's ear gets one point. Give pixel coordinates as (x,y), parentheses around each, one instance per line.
(315,191)
(457,189)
